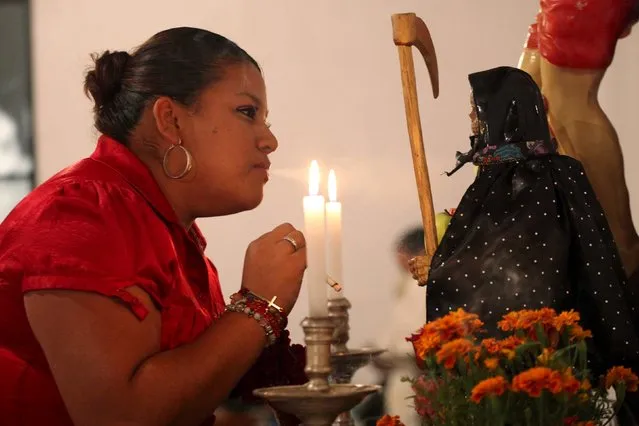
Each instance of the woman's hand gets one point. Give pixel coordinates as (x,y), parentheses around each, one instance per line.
(273,266)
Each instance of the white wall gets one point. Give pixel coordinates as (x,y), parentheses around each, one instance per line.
(335,95)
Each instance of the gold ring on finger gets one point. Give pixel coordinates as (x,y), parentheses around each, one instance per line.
(292,241)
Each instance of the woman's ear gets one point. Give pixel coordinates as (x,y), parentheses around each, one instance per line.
(166,119)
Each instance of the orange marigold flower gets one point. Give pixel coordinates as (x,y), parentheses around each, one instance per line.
(625,375)
(546,315)
(569,383)
(471,322)
(527,319)
(452,350)
(530,318)
(492,386)
(555,382)
(491,363)
(452,326)
(491,345)
(585,385)
(509,321)
(536,379)
(511,342)
(424,343)
(456,324)
(578,333)
(388,420)
(448,328)
(565,319)
(504,347)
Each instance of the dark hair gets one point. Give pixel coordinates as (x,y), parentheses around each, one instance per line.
(634,14)
(178,63)
(411,242)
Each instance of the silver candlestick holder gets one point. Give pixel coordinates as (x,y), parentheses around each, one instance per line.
(345,361)
(318,402)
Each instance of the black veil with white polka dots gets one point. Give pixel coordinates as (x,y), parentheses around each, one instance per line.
(529,231)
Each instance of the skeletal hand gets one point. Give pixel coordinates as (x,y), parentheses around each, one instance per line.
(420,267)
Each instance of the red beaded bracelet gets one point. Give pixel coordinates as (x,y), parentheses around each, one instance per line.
(271,303)
(269,317)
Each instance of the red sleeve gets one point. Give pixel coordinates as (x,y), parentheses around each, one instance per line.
(86,237)
(582,33)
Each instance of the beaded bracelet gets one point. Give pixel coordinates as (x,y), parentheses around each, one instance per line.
(271,335)
(248,294)
(270,318)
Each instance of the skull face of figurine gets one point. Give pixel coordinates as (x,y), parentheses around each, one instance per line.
(474,120)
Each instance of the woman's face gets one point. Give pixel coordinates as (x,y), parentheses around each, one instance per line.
(230,141)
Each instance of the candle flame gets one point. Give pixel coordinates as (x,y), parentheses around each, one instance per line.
(313,178)
(332,186)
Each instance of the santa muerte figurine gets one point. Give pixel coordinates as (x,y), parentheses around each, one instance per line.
(529,231)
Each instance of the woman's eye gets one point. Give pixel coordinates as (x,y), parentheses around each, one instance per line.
(249,111)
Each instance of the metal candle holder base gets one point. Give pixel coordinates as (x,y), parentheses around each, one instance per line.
(315,408)
(345,361)
(316,403)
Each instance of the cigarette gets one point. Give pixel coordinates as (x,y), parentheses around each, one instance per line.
(334,284)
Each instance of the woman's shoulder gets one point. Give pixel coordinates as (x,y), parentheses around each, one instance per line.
(85,191)
(83,226)
(86,230)
(85,206)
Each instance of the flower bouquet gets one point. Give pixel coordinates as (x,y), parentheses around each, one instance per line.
(536,375)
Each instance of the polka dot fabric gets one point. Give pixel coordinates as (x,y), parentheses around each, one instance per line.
(532,234)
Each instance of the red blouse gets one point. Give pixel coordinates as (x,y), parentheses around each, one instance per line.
(100,225)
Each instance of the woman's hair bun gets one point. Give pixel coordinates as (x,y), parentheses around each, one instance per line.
(104,81)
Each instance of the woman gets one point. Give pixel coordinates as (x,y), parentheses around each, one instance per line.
(111,312)
(529,232)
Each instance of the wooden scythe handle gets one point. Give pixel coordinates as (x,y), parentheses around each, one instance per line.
(408,31)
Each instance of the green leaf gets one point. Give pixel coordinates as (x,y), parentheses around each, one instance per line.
(541,335)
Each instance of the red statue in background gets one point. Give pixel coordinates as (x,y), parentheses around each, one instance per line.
(567,51)
(583,34)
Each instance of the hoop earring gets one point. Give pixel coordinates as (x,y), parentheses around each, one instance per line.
(189,161)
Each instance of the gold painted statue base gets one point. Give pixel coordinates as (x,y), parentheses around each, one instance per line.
(317,403)
(345,361)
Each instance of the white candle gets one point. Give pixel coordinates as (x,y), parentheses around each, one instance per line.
(314,230)
(334,236)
